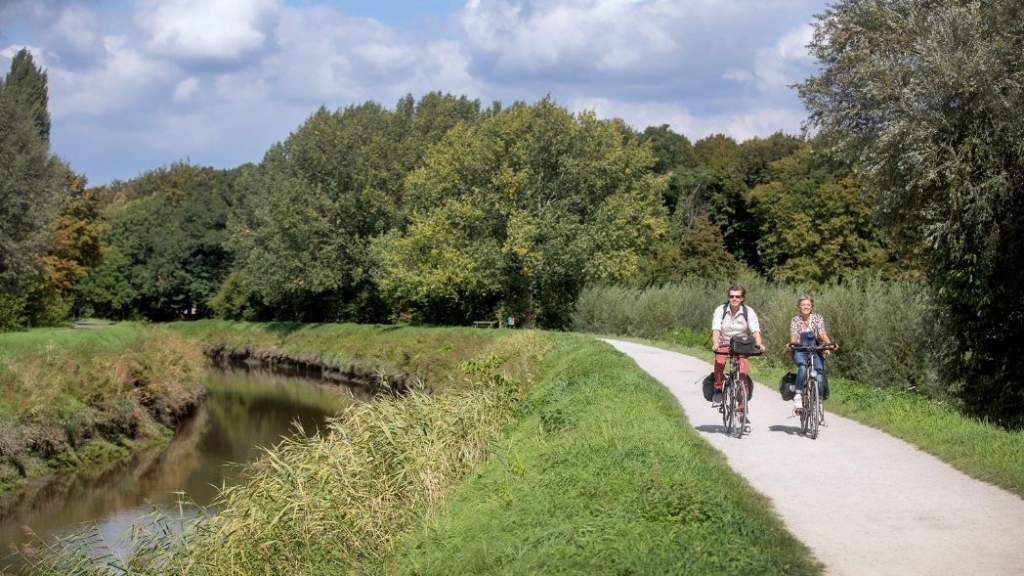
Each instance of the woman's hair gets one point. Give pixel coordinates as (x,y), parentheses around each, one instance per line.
(803,297)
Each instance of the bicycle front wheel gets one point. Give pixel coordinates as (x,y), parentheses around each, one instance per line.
(742,408)
(729,405)
(813,409)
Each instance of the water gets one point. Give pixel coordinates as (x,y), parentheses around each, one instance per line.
(244,410)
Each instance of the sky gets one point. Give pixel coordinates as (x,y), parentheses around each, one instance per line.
(135,85)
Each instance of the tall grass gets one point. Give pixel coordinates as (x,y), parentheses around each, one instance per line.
(76,398)
(881,326)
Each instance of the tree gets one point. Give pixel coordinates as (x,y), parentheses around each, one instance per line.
(27,85)
(815,221)
(673,152)
(539,201)
(165,251)
(31,181)
(925,98)
(74,248)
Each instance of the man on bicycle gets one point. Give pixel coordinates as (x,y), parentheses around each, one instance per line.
(733,318)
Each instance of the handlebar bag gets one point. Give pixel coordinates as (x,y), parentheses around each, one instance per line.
(743,344)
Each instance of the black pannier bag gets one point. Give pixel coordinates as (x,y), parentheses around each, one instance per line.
(786,384)
(709,386)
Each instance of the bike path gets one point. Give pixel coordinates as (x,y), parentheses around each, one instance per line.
(866,503)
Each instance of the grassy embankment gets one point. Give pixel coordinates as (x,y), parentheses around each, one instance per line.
(79,399)
(535,453)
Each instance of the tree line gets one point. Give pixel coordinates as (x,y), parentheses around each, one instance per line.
(442,210)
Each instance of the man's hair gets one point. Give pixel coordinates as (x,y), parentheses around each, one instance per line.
(735,287)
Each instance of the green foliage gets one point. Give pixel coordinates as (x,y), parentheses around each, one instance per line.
(564,199)
(26,84)
(311,207)
(815,221)
(12,312)
(166,250)
(74,247)
(925,99)
(30,180)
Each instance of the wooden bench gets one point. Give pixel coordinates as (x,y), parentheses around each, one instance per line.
(485,324)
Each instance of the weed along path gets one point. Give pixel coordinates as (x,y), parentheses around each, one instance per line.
(863,501)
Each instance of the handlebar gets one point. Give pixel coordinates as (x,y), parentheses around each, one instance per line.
(812,348)
(731,353)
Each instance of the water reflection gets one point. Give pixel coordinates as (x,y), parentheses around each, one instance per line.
(244,410)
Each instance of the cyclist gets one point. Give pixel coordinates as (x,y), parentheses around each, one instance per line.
(807,329)
(733,318)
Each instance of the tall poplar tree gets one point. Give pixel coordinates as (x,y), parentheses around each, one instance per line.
(31,181)
(27,85)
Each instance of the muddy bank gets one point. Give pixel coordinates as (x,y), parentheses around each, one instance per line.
(278,359)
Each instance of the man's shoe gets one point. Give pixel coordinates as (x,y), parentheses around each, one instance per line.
(746,424)
(798,402)
(716,400)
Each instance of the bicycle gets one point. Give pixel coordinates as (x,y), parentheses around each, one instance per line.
(734,396)
(812,412)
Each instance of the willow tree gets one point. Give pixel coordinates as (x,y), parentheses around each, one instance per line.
(514,214)
(926,97)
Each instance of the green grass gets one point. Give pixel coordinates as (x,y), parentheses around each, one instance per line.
(601,474)
(535,453)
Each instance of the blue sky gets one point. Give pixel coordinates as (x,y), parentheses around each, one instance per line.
(139,84)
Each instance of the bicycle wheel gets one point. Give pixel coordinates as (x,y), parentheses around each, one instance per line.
(741,406)
(813,408)
(729,405)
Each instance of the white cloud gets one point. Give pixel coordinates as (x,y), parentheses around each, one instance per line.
(120,82)
(77,28)
(741,125)
(206,29)
(218,81)
(785,62)
(186,89)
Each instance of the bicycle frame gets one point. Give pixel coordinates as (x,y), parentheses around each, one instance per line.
(735,397)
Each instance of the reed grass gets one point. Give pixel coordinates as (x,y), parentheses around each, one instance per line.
(882,327)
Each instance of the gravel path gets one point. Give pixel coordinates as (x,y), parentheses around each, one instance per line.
(866,503)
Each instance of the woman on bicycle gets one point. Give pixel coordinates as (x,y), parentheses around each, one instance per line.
(806,329)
